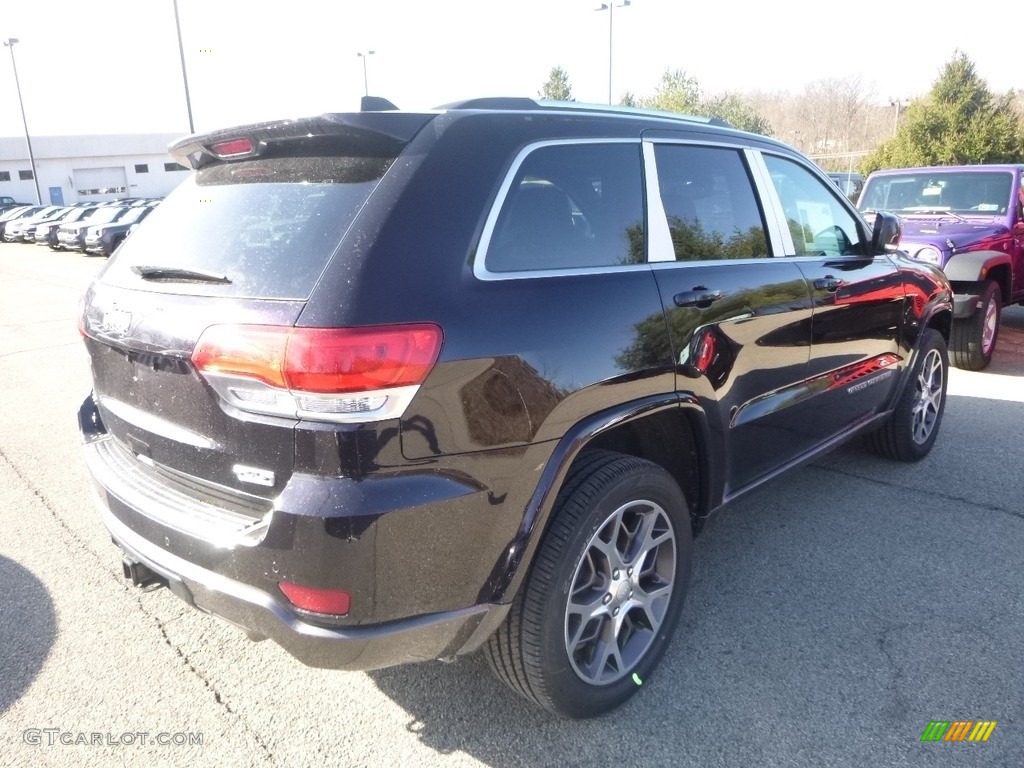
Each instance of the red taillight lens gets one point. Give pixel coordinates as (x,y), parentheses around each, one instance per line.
(325,360)
(360,360)
(334,601)
(232,147)
(81,318)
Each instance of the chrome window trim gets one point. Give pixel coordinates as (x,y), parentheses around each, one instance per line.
(771,206)
(659,236)
(480,271)
(660,265)
(779,237)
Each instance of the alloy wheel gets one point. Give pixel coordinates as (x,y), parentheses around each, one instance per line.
(929,396)
(620,592)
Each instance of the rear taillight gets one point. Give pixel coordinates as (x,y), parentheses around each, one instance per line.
(81,318)
(332,374)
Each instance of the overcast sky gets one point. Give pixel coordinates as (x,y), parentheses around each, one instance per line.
(112,66)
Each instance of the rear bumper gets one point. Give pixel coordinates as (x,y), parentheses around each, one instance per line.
(414,551)
(436,636)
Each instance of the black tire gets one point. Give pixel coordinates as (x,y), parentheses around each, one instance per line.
(910,432)
(973,339)
(583,667)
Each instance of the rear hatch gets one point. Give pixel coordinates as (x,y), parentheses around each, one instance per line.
(209,286)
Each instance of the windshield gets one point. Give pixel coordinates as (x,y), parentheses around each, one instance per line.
(133,214)
(269,225)
(962,192)
(107,215)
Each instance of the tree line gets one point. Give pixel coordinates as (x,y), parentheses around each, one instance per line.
(839,124)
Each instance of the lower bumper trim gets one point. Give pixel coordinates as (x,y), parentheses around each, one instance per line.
(260,614)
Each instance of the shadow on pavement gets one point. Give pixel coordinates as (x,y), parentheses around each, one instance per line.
(28,629)
(1009,355)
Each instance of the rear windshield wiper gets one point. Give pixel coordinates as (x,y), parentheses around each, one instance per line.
(179,273)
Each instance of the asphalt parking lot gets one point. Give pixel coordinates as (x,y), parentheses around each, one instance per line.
(831,617)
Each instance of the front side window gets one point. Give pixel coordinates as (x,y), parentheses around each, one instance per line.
(709,203)
(818,222)
(571,206)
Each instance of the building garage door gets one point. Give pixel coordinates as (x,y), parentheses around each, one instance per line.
(95,184)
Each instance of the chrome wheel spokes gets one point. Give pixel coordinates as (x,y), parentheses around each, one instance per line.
(988,328)
(929,396)
(620,592)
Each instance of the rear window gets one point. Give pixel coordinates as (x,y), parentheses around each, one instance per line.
(268,225)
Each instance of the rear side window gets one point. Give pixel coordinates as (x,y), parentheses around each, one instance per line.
(268,225)
(710,204)
(571,206)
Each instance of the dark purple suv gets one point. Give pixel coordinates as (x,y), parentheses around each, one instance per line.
(969,220)
(389,386)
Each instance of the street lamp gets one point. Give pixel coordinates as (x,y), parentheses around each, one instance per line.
(364,57)
(610,7)
(9,43)
(184,75)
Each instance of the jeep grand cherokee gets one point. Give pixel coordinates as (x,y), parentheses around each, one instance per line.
(390,386)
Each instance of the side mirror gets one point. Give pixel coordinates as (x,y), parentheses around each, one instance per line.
(885,235)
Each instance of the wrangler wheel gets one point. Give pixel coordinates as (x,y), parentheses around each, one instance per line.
(973,339)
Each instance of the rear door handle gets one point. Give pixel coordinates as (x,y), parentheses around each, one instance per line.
(699,297)
(830,284)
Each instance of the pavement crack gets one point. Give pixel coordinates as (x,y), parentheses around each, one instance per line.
(217,697)
(101,564)
(39,349)
(933,491)
(898,700)
(35,491)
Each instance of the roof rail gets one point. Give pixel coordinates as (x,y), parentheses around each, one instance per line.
(493,102)
(522,103)
(619,109)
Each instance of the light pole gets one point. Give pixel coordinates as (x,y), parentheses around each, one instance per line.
(9,43)
(184,74)
(898,103)
(610,7)
(364,57)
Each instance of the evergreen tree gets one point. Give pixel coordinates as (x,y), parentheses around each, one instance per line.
(680,92)
(557,87)
(959,122)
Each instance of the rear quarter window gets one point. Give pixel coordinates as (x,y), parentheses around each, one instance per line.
(269,225)
(571,206)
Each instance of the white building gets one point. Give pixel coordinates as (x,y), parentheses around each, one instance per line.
(74,169)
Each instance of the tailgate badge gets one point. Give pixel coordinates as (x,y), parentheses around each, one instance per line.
(115,322)
(253,475)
